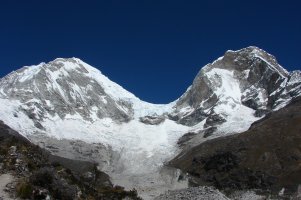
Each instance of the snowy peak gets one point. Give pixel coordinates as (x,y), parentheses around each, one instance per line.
(249,79)
(248,58)
(66,68)
(245,57)
(67,87)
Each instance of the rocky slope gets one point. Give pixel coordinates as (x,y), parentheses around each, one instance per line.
(71,109)
(29,172)
(266,157)
(194,193)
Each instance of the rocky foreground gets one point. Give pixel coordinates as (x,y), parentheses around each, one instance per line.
(194,193)
(29,172)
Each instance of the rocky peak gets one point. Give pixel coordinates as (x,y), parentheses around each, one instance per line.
(249,57)
(250,77)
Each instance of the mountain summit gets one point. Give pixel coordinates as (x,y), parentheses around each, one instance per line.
(73,87)
(250,77)
(73,110)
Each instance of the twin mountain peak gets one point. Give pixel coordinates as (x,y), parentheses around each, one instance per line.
(71,109)
(249,77)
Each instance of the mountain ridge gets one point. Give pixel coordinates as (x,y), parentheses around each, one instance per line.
(71,109)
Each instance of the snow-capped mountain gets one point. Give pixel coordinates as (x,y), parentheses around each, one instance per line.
(236,90)
(70,86)
(73,110)
(250,77)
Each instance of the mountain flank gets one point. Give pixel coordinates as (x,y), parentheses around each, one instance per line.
(267,157)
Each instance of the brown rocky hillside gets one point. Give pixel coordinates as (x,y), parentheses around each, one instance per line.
(267,156)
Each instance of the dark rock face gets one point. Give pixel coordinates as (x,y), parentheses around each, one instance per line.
(181,142)
(223,162)
(209,131)
(193,118)
(267,156)
(214,120)
(261,112)
(152,120)
(221,171)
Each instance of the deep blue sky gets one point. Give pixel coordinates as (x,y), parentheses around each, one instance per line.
(153,48)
